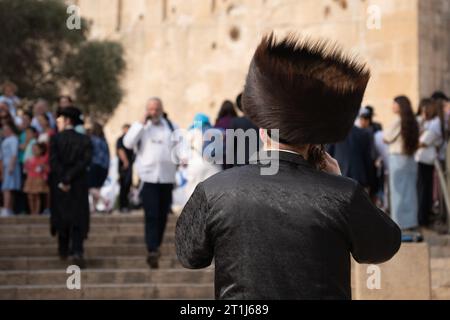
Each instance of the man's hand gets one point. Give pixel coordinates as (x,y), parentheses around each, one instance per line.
(144,118)
(64,187)
(331,165)
(123,157)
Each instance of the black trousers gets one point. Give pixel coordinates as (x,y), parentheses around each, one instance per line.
(425,192)
(20,197)
(70,242)
(125,179)
(156,199)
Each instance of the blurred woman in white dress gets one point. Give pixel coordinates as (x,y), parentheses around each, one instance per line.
(199,162)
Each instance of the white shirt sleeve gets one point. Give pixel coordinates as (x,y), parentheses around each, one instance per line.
(430,138)
(392,133)
(133,135)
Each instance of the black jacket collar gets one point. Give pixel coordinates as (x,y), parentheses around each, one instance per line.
(283,156)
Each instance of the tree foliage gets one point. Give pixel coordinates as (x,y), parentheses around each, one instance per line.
(96,68)
(41,55)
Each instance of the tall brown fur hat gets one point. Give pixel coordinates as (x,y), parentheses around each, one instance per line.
(309,90)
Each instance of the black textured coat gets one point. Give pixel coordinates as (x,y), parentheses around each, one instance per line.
(70,156)
(284,236)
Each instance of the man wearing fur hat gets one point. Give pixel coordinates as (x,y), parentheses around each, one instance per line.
(289,235)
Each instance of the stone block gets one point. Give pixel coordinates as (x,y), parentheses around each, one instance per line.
(405,277)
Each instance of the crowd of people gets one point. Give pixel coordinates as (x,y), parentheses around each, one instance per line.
(396,165)
(151,140)
(27,129)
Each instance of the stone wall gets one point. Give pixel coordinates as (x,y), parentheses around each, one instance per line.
(195,53)
(434,46)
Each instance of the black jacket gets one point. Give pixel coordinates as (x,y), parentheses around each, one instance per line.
(282,236)
(70,156)
(355,156)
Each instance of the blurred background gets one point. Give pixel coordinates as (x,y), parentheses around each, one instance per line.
(108,57)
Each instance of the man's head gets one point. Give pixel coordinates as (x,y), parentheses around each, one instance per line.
(364,122)
(40,107)
(365,118)
(125,128)
(443,100)
(31,133)
(310,91)
(65,101)
(9,88)
(69,117)
(26,119)
(439,95)
(428,108)
(154,109)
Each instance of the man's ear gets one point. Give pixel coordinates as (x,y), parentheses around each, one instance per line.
(265,138)
(262,134)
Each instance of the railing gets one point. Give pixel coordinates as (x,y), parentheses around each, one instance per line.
(444,194)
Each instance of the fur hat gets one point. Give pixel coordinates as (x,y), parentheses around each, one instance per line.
(309,90)
(72,113)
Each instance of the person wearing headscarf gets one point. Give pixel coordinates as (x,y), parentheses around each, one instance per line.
(200,164)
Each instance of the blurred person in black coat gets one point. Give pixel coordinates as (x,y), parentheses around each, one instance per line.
(355,156)
(70,155)
(287,233)
(243,154)
(126,159)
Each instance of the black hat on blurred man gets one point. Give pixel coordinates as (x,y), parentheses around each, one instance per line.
(366,113)
(309,90)
(72,113)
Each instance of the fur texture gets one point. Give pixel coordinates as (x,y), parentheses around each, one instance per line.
(309,90)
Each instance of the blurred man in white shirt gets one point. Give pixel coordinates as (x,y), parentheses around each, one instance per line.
(151,138)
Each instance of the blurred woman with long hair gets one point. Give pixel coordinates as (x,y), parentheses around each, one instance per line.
(402,137)
(225,119)
(226,114)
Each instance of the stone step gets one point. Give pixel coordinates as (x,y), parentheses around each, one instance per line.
(99,262)
(96,229)
(441,262)
(134,217)
(442,293)
(440,251)
(108,239)
(109,291)
(108,276)
(434,238)
(91,251)
(440,277)
(438,240)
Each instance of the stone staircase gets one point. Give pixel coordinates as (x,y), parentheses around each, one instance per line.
(115,254)
(116,268)
(440,265)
